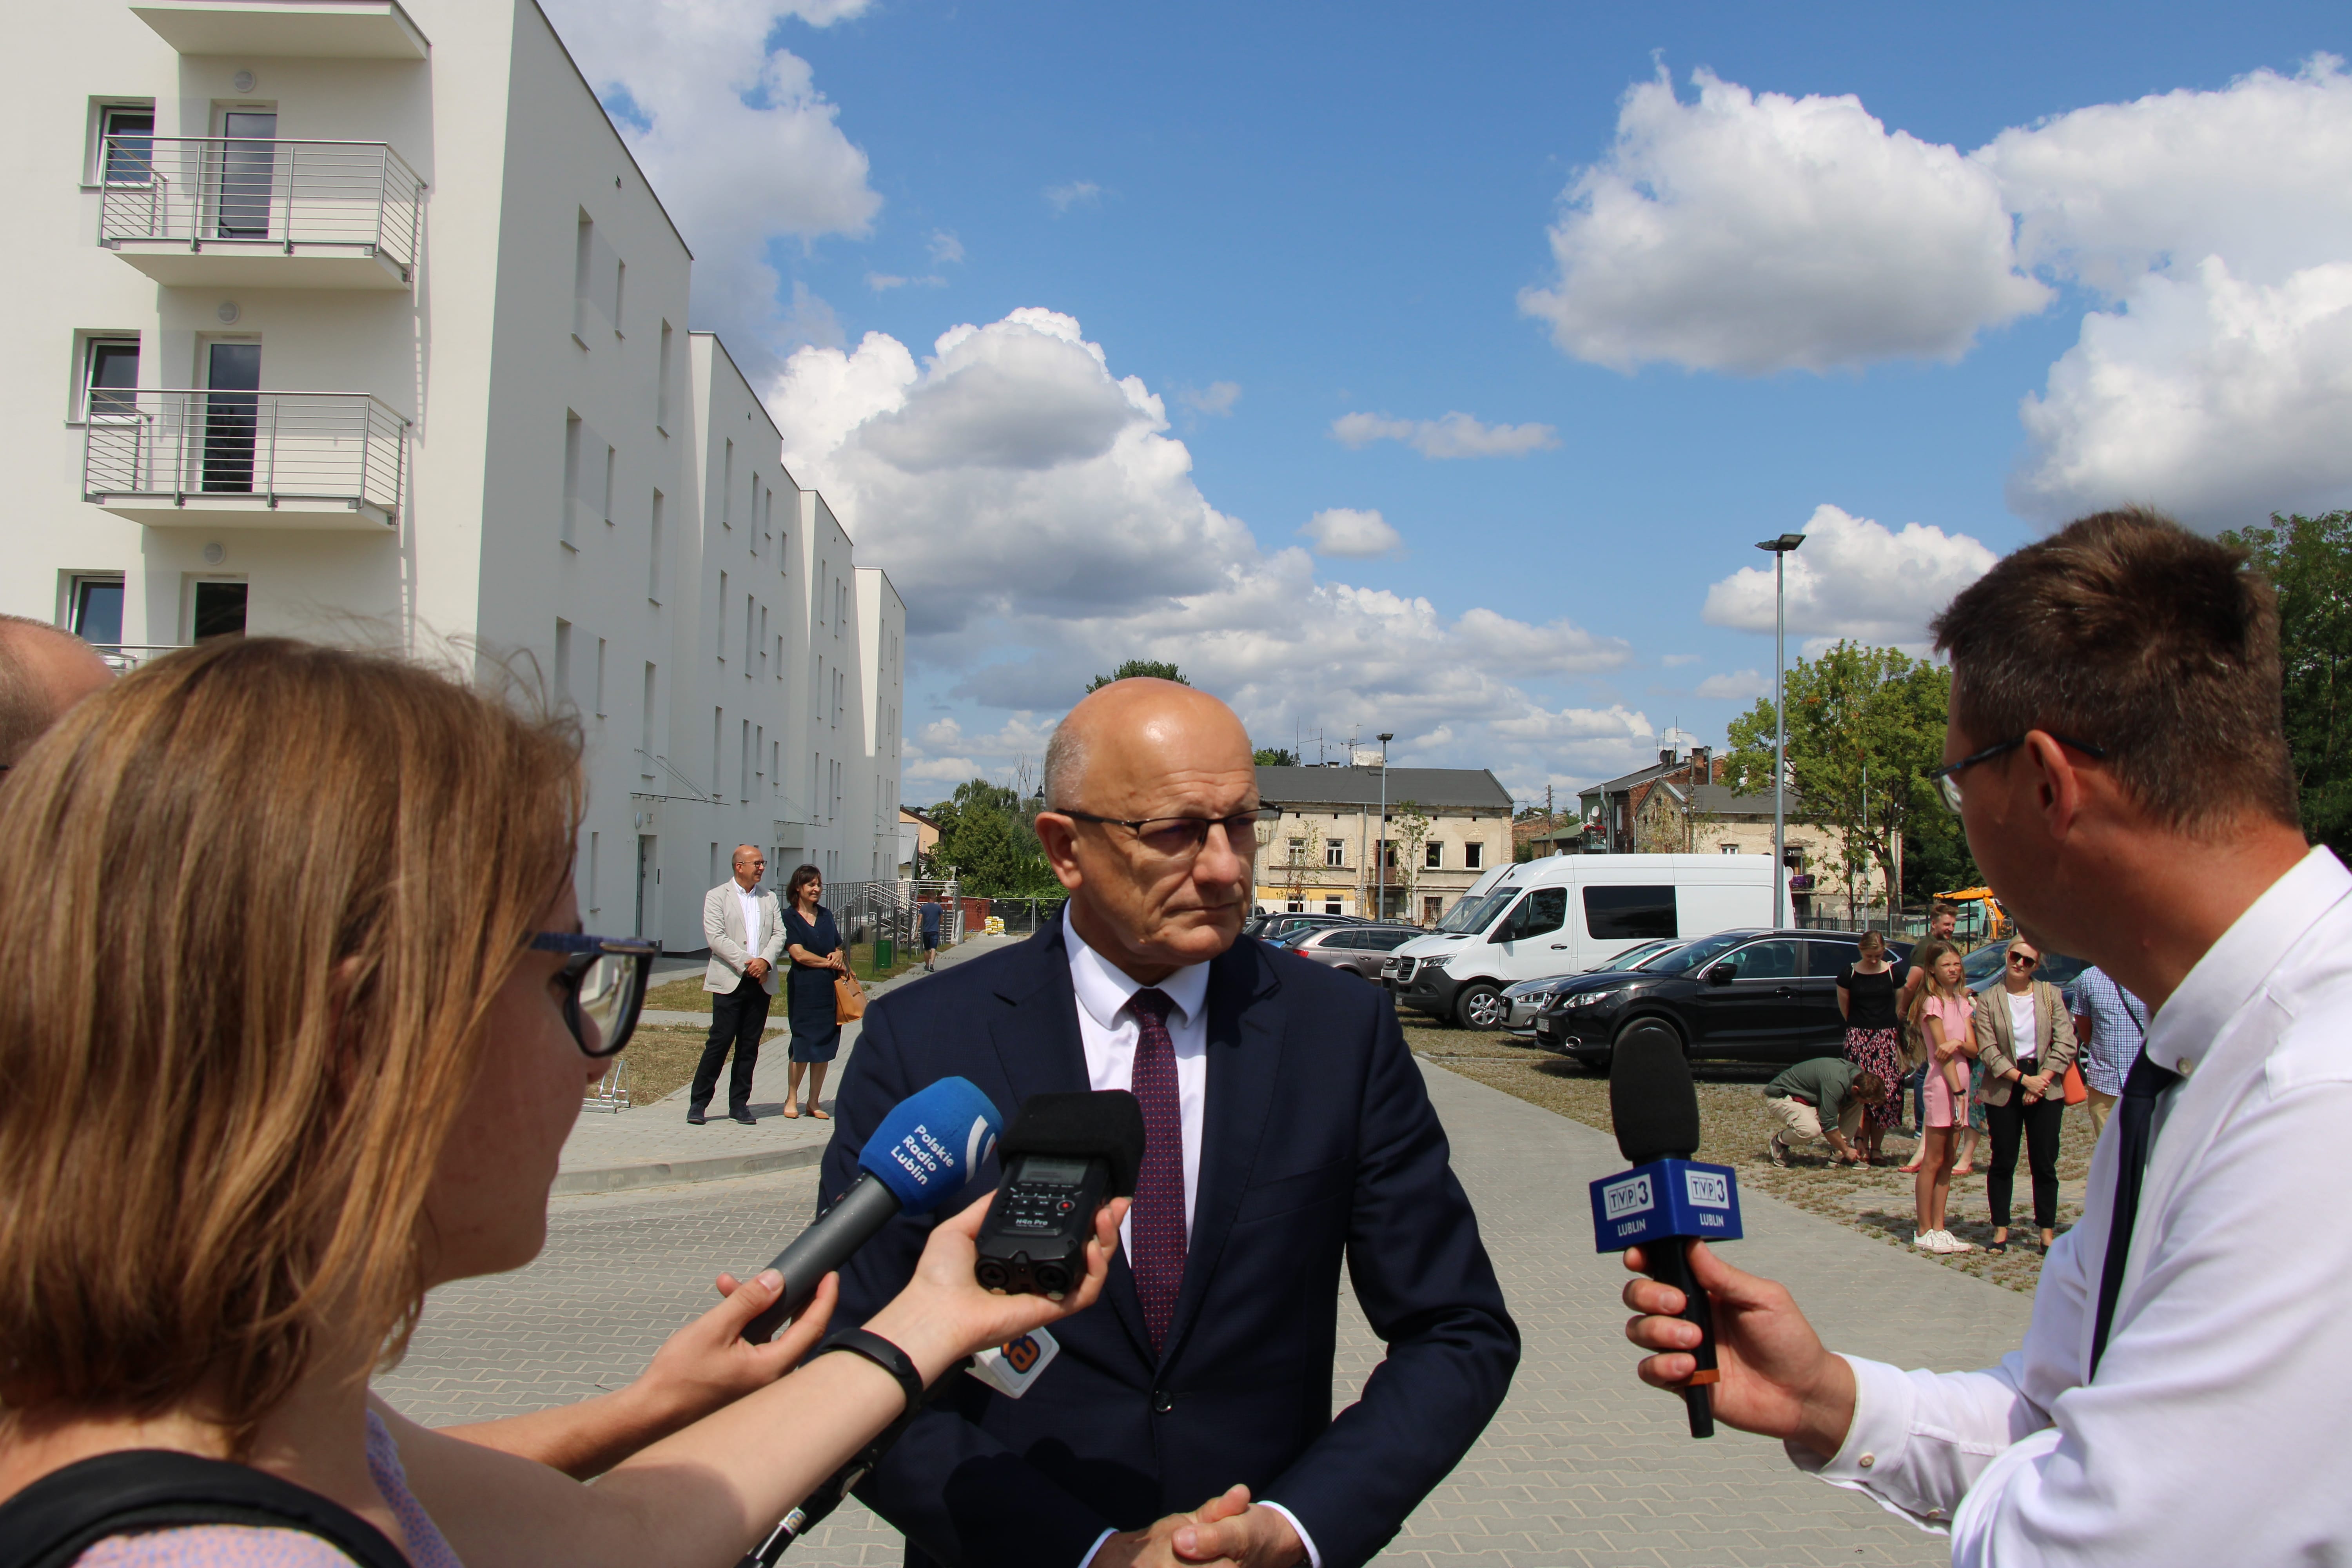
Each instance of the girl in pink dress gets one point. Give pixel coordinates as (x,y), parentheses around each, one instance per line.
(1941,1012)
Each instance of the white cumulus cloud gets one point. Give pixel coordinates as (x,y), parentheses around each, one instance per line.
(1855,578)
(1347,532)
(1741,686)
(1042,526)
(1755,232)
(1077,193)
(1216,399)
(1455,435)
(736,138)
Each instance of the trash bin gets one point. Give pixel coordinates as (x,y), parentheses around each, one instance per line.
(885,954)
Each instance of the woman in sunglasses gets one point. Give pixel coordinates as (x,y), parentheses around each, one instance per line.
(300,1015)
(2026,1042)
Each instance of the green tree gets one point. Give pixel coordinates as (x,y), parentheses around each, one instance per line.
(2309,561)
(1408,830)
(1864,726)
(986,834)
(1275,756)
(1135,666)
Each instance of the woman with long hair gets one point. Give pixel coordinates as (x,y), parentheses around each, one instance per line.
(814,945)
(1874,1035)
(300,1016)
(1941,1011)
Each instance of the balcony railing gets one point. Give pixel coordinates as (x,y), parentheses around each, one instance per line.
(247,194)
(304,452)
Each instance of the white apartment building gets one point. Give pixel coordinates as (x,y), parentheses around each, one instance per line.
(355,320)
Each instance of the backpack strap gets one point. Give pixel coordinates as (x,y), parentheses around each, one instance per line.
(52,1522)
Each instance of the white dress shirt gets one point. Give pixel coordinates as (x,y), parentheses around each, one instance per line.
(2219,1425)
(1107,1031)
(749,898)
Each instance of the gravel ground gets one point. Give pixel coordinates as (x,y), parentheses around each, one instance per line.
(1733,1123)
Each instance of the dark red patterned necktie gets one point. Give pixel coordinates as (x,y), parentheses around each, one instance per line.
(1157,1221)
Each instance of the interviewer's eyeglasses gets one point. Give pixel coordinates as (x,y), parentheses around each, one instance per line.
(605,986)
(1180,837)
(1948,782)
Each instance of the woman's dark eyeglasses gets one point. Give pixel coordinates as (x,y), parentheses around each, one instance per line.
(603,980)
(2022,961)
(1180,837)
(1947,778)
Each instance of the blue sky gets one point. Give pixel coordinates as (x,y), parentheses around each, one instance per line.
(1678,319)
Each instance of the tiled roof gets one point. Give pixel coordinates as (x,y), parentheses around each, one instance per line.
(1447,787)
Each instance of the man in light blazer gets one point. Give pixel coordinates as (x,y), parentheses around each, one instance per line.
(2024,1069)
(745,928)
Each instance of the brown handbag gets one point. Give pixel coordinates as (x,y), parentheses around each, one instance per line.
(848,998)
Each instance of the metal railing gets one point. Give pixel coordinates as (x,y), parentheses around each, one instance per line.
(339,445)
(123,657)
(198,190)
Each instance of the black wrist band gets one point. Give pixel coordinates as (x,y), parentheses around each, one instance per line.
(884,1354)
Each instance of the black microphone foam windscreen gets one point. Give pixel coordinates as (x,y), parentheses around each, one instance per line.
(1107,1125)
(1651,1098)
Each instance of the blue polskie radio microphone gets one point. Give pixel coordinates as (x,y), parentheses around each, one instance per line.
(926,1151)
(1666,1201)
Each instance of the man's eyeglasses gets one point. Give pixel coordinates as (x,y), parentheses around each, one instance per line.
(1180,837)
(1948,782)
(604,981)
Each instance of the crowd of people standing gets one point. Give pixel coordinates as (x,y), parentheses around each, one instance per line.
(2001,1066)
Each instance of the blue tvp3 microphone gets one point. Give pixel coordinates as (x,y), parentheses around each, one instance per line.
(923,1153)
(1667,1200)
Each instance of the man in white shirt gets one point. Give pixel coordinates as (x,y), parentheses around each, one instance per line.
(1290,1152)
(2114,752)
(745,928)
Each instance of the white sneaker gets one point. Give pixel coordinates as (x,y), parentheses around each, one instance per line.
(1924,1240)
(1775,1151)
(1947,1242)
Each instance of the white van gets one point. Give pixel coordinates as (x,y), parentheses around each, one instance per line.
(1566,913)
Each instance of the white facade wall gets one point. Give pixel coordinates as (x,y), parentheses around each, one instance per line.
(564,486)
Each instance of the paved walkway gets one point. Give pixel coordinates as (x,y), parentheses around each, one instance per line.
(1584,1465)
(652,1145)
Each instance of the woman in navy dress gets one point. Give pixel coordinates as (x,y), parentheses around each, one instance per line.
(813,945)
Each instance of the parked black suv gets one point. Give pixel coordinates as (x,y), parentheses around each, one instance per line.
(1751,996)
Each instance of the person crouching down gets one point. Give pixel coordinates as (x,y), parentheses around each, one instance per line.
(1821,1100)
(360,1023)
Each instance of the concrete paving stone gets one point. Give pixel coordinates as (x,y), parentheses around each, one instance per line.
(1584,1465)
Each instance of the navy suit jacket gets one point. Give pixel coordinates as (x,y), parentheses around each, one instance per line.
(1318,1144)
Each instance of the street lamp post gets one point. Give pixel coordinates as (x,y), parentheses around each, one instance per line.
(1779,548)
(1380,851)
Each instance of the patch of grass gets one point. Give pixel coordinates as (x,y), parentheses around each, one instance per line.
(662,1058)
(685,995)
(681,995)
(905,956)
(1734,1121)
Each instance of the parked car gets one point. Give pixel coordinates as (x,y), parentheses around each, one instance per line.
(1568,912)
(1280,929)
(1745,995)
(1527,998)
(1359,948)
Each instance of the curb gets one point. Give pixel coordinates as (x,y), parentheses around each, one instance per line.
(718,1168)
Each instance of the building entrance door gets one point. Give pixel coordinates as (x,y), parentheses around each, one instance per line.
(232,415)
(248,163)
(648,884)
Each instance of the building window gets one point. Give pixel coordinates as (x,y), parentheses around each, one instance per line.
(126,144)
(1430,909)
(1296,907)
(572,436)
(564,661)
(727,489)
(1432,855)
(646,727)
(600,678)
(720,618)
(1330,905)
(111,378)
(1730,849)
(1474,855)
(218,611)
(611,460)
(661,388)
(94,610)
(653,553)
(1335,851)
